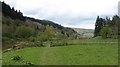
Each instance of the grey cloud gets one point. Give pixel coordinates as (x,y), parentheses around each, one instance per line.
(66,18)
(72,20)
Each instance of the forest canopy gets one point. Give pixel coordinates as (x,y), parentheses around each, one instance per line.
(107,28)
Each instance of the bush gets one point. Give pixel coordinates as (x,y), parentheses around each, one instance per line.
(29,63)
(104,32)
(7,31)
(114,36)
(32,39)
(23,32)
(60,43)
(5,39)
(16,58)
(39,44)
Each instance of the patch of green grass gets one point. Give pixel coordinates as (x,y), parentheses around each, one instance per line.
(93,40)
(0,57)
(83,54)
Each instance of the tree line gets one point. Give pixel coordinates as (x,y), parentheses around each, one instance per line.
(11,12)
(107,28)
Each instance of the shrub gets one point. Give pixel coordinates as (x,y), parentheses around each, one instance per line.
(39,44)
(16,58)
(60,43)
(29,63)
(32,39)
(7,31)
(104,32)
(23,32)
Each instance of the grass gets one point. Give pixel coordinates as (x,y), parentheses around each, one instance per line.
(80,54)
(93,40)
(0,57)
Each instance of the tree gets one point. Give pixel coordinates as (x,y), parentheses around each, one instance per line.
(23,32)
(104,32)
(7,30)
(49,32)
(115,23)
(98,26)
(105,27)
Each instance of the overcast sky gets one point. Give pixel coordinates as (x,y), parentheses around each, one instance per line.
(68,13)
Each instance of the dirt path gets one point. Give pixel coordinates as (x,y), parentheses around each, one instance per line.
(48,45)
(48,55)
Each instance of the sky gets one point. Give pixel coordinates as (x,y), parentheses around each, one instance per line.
(68,13)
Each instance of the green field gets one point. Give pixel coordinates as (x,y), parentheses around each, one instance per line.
(95,53)
(0,57)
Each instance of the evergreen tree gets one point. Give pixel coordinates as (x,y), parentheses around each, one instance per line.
(106,27)
(98,26)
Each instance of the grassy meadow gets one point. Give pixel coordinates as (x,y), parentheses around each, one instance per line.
(0,57)
(80,52)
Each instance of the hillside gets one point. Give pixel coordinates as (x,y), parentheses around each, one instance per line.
(29,29)
(14,14)
(84,32)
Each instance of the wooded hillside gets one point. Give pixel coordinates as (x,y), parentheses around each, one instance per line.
(17,27)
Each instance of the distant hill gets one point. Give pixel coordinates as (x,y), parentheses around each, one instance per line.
(84,32)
